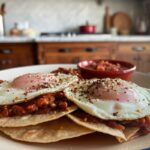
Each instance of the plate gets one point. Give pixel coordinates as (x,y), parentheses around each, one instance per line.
(94,141)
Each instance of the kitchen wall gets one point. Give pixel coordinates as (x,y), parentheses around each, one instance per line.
(63,15)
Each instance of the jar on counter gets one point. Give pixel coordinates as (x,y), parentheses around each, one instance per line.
(141,26)
(15,31)
(28,31)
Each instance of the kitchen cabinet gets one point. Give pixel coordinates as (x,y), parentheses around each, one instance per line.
(137,53)
(73,52)
(16,54)
(29,53)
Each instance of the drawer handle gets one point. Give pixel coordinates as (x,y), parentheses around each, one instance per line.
(138,49)
(138,58)
(90,49)
(6,51)
(64,50)
(75,60)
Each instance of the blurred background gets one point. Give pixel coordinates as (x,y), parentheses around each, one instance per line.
(67,15)
(68,31)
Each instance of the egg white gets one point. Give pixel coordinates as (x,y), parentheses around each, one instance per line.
(106,109)
(11,95)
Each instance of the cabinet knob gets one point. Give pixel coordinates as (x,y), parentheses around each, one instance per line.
(75,60)
(64,50)
(6,62)
(6,51)
(137,58)
(90,49)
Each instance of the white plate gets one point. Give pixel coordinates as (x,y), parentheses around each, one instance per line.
(94,141)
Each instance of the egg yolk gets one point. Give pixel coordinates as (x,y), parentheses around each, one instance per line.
(33,81)
(116,92)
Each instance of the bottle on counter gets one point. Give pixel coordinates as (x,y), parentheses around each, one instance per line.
(28,31)
(142,28)
(107,20)
(2,24)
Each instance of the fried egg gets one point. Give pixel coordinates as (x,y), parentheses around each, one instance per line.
(110,99)
(29,86)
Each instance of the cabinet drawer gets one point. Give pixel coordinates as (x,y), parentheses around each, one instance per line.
(76,49)
(16,54)
(72,52)
(72,58)
(137,53)
(75,44)
(11,50)
(137,47)
(6,51)
(8,63)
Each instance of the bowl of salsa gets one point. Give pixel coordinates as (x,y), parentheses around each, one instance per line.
(106,69)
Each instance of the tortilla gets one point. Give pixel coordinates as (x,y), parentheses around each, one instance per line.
(130,133)
(34,119)
(48,132)
(121,136)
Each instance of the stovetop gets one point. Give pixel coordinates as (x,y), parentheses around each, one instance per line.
(67,34)
(60,34)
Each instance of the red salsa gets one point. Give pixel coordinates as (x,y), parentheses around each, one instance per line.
(107,66)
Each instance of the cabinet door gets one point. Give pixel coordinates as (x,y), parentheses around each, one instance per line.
(136,53)
(16,54)
(75,57)
(72,52)
(145,60)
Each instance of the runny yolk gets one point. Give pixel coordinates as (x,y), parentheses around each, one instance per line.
(33,81)
(120,93)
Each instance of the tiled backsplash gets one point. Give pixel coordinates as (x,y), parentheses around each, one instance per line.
(63,15)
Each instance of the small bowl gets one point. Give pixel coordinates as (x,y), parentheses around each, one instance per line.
(89,73)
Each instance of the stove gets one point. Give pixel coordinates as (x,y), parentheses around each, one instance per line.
(59,34)
(73,35)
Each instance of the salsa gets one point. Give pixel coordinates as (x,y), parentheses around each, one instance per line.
(67,71)
(107,66)
(142,123)
(41,105)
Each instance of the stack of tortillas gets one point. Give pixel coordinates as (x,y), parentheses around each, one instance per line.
(85,111)
(40,128)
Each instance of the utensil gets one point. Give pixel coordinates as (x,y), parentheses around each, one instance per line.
(122,22)
(2,20)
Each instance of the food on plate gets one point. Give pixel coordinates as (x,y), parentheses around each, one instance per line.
(31,99)
(114,106)
(72,71)
(108,127)
(53,131)
(49,107)
(29,86)
(35,109)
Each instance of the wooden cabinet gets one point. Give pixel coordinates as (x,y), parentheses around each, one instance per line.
(73,52)
(16,54)
(137,53)
(22,54)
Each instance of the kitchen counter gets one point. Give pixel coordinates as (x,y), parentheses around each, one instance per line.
(9,39)
(77,38)
(95,38)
